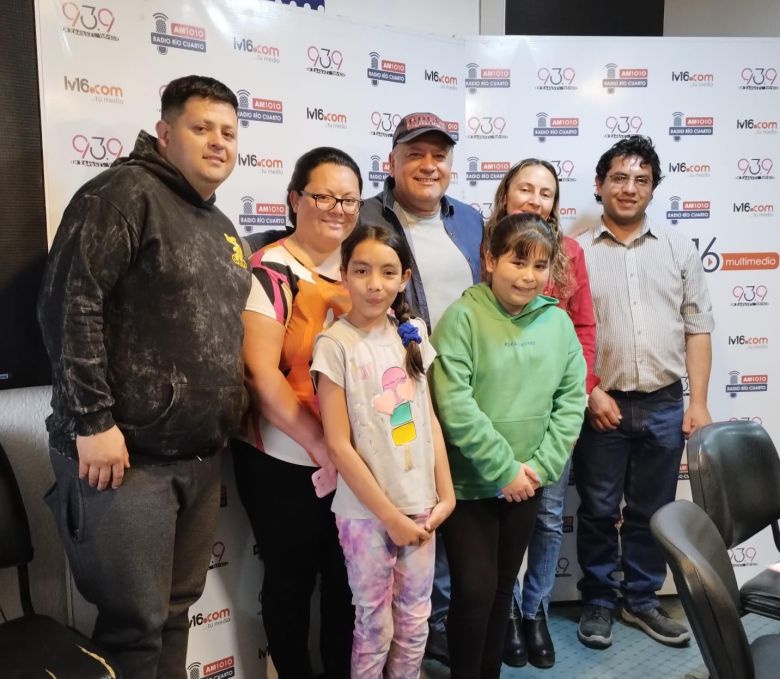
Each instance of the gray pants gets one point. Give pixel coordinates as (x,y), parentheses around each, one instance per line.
(140,554)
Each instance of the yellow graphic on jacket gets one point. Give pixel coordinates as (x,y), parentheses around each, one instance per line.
(238,251)
(396,401)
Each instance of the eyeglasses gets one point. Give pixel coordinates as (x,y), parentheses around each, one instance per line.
(620,179)
(326,202)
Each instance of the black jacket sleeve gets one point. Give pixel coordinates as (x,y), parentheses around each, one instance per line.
(92,249)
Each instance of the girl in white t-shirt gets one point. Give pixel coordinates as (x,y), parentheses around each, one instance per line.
(394,487)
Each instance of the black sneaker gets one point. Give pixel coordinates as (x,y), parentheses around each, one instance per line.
(657,624)
(595,628)
(436,646)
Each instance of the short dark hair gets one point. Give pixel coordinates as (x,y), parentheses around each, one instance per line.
(635,145)
(178,91)
(310,161)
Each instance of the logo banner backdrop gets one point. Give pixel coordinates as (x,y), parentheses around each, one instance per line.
(304,79)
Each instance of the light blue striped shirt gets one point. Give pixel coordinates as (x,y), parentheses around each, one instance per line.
(647,296)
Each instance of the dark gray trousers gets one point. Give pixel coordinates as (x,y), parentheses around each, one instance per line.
(140,554)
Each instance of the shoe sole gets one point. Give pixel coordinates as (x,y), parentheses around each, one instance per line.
(595,641)
(680,640)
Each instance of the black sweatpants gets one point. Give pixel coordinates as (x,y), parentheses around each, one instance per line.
(485,540)
(297,539)
(140,553)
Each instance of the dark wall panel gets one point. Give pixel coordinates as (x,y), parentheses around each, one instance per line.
(584,17)
(23,243)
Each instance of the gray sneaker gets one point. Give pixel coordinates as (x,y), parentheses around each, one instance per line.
(657,624)
(595,628)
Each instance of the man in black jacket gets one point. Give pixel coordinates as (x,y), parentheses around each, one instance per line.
(140,310)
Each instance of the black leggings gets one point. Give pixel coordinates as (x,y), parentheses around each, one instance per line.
(485,541)
(297,539)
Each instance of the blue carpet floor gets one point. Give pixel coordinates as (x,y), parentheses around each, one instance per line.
(633,655)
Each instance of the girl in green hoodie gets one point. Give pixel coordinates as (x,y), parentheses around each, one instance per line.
(509,388)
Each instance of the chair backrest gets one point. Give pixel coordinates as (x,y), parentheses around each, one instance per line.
(15,543)
(735,477)
(705,581)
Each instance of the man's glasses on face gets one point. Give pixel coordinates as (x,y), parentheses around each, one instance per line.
(642,182)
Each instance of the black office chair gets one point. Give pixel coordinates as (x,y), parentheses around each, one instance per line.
(735,478)
(701,567)
(36,646)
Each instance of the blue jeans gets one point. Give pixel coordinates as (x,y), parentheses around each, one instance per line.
(640,460)
(543,550)
(440,596)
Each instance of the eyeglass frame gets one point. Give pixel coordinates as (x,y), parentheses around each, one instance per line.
(336,201)
(622,179)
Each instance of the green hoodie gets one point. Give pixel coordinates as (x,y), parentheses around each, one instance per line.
(507,389)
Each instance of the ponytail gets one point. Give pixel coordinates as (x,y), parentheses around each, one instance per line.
(410,336)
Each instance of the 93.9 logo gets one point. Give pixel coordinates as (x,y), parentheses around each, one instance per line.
(564,169)
(755,168)
(758,78)
(325,59)
(384,123)
(749,295)
(96,151)
(618,125)
(88,17)
(743,556)
(556,77)
(488,126)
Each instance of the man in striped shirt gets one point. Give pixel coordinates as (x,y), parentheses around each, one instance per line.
(653,321)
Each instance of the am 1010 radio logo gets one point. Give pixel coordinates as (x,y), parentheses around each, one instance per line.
(385,70)
(618,78)
(480,78)
(180,36)
(739,383)
(687,209)
(258,110)
(555,126)
(686,126)
(224,668)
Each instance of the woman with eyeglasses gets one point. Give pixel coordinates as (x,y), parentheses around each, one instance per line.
(283,473)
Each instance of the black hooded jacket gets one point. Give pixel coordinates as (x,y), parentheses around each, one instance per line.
(141,313)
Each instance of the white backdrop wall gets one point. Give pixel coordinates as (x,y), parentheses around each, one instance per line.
(304,79)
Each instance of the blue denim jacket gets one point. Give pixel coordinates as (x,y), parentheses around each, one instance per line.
(462,223)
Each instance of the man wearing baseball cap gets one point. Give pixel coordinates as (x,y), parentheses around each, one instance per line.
(444,236)
(443,233)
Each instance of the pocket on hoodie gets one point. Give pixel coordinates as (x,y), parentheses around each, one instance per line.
(198,418)
(524,434)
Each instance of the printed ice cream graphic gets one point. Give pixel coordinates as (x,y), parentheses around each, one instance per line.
(396,401)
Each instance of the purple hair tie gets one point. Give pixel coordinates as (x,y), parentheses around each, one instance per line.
(409,333)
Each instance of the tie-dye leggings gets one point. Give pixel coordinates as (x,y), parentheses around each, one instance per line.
(391,590)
